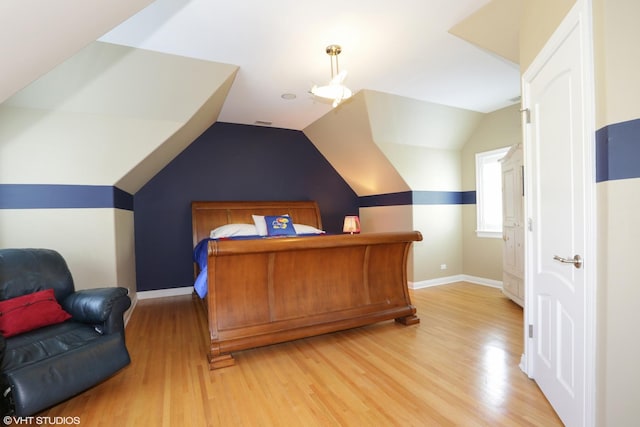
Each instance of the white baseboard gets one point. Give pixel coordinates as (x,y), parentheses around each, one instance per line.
(453,279)
(188,290)
(129,312)
(523,364)
(162,293)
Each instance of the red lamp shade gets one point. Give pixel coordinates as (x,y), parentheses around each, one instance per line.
(351,224)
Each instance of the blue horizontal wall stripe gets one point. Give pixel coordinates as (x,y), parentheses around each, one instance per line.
(419,198)
(468,197)
(437,198)
(602,156)
(617,157)
(618,151)
(51,196)
(389,199)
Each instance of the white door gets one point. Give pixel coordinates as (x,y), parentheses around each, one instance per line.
(513,225)
(560,183)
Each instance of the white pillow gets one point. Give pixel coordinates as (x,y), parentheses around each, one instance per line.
(306,229)
(261,225)
(230,230)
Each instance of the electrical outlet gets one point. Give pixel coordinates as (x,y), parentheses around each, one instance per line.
(443,266)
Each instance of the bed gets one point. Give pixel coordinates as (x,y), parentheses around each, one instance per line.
(267,290)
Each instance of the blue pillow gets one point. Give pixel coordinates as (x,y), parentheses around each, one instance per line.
(279,225)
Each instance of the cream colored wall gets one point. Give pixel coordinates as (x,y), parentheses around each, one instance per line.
(618,303)
(125,253)
(386,218)
(616,61)
(404,121)
(441,237)
(618,294)
(502,128)
(84,237)
(32,141)
(442,242)
(390,218)
(425,168)
(482,256)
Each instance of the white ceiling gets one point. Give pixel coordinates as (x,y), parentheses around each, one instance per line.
(402,48)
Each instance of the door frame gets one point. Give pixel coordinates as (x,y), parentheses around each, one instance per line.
(580,15)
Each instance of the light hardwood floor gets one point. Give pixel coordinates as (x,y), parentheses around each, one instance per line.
(458,367)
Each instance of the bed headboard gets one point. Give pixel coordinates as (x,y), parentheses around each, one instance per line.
(206,216)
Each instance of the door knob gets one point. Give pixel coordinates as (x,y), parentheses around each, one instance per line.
(576,260)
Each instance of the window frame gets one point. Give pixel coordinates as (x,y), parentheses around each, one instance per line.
(482,159)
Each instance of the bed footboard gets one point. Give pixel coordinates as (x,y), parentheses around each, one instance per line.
(267,291)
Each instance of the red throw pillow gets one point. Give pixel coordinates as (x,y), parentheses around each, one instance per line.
(31,311)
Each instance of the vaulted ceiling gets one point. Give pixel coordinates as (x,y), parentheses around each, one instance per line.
(177,66)
(460,54)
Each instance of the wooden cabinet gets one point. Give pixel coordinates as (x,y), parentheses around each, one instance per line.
(513,225)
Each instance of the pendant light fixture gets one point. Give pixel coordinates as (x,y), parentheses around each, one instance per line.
(335,90)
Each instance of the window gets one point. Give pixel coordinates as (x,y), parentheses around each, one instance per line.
(489,192)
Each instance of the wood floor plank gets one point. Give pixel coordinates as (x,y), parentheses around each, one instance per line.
(457,367)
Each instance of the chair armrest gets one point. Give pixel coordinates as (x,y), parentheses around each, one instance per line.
(103,307)
(3,344)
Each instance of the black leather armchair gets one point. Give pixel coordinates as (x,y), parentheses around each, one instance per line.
(47,365)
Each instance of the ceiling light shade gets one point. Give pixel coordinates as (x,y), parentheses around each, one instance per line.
(335,90)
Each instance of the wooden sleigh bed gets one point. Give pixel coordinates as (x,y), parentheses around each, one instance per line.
(270,290)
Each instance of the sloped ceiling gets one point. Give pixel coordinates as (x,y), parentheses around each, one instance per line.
(383,143)
(494,27)
(37,36)
(143,92)
(108,79)
(344,138)
(402,49)
(121,117)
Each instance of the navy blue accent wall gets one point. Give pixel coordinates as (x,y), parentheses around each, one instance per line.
(122,199)
(618,151)
(51,196)
(228,162)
